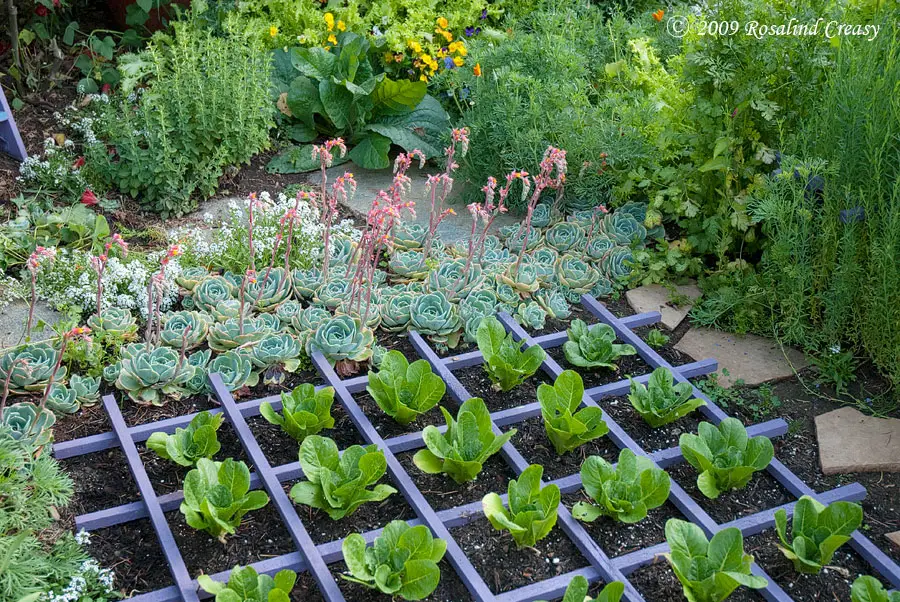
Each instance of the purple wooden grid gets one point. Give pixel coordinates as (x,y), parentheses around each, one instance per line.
(10,140)
(330,552)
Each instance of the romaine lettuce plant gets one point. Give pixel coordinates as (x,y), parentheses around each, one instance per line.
(465,447)
(725,456)
(624,492)
(304,411)
(402,562)
(593,347)
(403,390)
(577,591)
(190,444)
(532,509)
(504,361)
(338,484)
(217,496)
(245,585)
(817,530)
(870,589)
(709,570)
(661,401)
(568,427)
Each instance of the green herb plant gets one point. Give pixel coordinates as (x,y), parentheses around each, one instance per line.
(405,391)
(662,401)
(577,591)
(870,589)
(189,444)
(625,492)
(504,361)
(532,509)
(593,347)
(304,411)
(246,585)
(817,532)
(568,428)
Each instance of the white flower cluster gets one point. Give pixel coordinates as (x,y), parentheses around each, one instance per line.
(54,168)
(90,580)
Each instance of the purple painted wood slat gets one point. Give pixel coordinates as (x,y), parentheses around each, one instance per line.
(467,573)
(177,568)
(10,140)
(327,585)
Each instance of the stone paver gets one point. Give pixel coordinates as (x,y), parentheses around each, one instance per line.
(655,297)
(850,441)
(894,537)
(14,317)
(750,358)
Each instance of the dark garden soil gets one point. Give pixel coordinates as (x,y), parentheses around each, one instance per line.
(476,382)
(442,492)
(133,553)
(369,516)
(761,493)
(102,480)
(531,440)
(578,312)
(261,535)
(255,178)
(135,414)
(668,351)
(831,584)
(616,538)
(551,556)
(398,342)
(83,423)
(449,589)
(387,427)
(167,476)
(650,439)
(626,365)
(657,583)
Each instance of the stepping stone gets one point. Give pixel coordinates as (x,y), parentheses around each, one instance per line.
(655,297)
(14,318)
(750,358)
(894,537)
(850,441)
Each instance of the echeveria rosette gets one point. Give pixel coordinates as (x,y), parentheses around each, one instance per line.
(641,212)
(492,243)
(228,309)
(199,380)
(583,218)
(114,321)
(663,401)
(531,315)
(508,298)
(310,318)
(408,236)
(451,278)
(231,334)
(304,411)
(287,311)
(496,260)
(187,329)
(62,400)
(235,368)
(625,492)
(333,293)
(210,291)
(306,283)
(544,261)
(524,279)
(275,287)
(598,246)
(540,216)
(602,288)
(190,277)
(341,250)
(517,237)
(111,372)
(342,339)
(623,228)
(593,346)
(554,303)
(475,307)
(378,354)
(87,389)
(616,263)
(435,317)
(395,313)
(26,422)
(358,309)
(408,264)
(565,237)
(150,374)
(270,321)
(276,354)
(576,277)
(29,367)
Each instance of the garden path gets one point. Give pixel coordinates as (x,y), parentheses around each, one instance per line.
(14,317)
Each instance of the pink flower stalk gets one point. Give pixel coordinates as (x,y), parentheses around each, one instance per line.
(36,260)
(155,288)
(552,175)
(79,332)
(598,210)
(328,209)
(12,368)
(99,264)
(458,137)
(249,278)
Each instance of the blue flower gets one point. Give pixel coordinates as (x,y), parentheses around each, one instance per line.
(470,31)
(483,14)
(464,93)
(448,62)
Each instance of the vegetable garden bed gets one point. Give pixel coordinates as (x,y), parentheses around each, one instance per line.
(601,552)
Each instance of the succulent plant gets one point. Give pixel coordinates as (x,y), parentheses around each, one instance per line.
(408,235)
(492,243)
(576,277)
(353,309)
(507,297)
(342,339)
(524,279)
(394,310)
(565,236)
(623,228)
(475,307)
(61,400)
(496,260)
(434,316)
(270,321)
(235,368)
(210,291)
(191,277)
(275,287)
(531,315)
(228,309)
(616,263)
(517,237)
(310,318)
(287,311)
(341,250)
(87,389)
(603,287)
(599,245)
(583,218)
(184,328)
(554,303)
(540,216)
(29,367)
(333,292)
(409,264)
(638,211)
(152,373)
(111,372)
(26,422)
(306,282)
(199,381)
(276,354)
(544,261)
(451,278)
(224,336)
(114,321)
(379,352)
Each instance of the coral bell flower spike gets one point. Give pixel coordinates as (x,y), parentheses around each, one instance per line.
(658,15)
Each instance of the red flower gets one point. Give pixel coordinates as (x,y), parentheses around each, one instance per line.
(89,198)
(105,88)
(41,10)
(56,4)
(79,162)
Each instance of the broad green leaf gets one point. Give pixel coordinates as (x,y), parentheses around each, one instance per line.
(422,128)
(304,100)
(354,551)
(399,96)
(314,62)
(420,579)
(371,152)
(338,102)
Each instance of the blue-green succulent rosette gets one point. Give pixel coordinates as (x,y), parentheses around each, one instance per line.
(332,293)
(575,277)
(544,261)
(565,237)
(306,283)
(553,301)
(435,317)
(518,237)
(639,211)
(409,264)
(598,246)
(210,291)
(616,263)
(408,236)
(623,229)
(27,368)
(523,279)
(451,278)
(270,289)
(342,340)
(395,313)
(540,216)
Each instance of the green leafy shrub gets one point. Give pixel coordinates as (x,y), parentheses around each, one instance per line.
(625,492)
(725,456)
(577,591)
(657,338)
(709,570)
(205,106)
(304,411)
(532,509)
(217,496)
(404,391)
(402,561)
(817,532)
(189,444)
(661,401)
(870,589)
(338,484)
(469,441)
(568,427)
(593,347)
(246,585)
(504,361)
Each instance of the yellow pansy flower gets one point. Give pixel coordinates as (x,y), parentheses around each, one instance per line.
(447,36)
(458,62)
(442,22)
(461,50)
(332,39)
(329,21)
(341,26)
(273,31)
(414,46)
(423,78)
